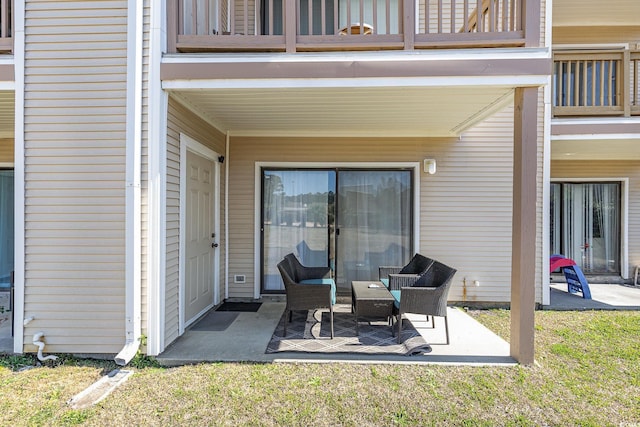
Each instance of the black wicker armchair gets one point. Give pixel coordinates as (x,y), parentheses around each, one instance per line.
(426,295)
(307,288)
(394,277)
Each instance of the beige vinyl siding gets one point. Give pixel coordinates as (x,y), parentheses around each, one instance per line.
(181,120)
(611,169)
(75,82)
(465,208)
(6,150)
(595,35)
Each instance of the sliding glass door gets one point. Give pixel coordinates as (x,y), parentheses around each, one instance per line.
(374,223)
(585,225)
(352,221)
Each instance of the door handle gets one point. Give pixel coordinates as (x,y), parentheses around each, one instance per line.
(214,245)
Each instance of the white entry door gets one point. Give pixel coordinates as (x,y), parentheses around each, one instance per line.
(200,236)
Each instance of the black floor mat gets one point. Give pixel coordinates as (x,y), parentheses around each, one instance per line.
(240,306)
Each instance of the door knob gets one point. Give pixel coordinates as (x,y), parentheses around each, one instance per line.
(214,245)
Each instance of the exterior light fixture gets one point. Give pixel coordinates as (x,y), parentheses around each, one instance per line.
(429,166)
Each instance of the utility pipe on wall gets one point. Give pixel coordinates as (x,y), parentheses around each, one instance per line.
(37,341)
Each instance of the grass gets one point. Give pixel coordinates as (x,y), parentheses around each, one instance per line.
(587,374)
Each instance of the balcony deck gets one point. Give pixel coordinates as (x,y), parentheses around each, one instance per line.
(330,25)
(596,83)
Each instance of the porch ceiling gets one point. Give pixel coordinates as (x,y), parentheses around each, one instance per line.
(7,114)
(346,111)
(595,12)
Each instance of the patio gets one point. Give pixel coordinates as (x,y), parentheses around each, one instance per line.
(247,337)
(246,340)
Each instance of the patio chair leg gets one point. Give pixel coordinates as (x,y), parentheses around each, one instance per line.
(446,328)
(287,314)
(399,321)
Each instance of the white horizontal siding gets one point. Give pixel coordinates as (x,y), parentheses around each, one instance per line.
(75,83)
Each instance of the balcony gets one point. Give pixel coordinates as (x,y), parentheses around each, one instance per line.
(6,19)
(348,25)
(596,83)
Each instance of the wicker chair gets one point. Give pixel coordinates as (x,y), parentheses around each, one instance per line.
(307,288)
(425,295)
(404,275)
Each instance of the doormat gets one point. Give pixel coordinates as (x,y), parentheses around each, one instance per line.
(240,306)
(310,332)
(215,321)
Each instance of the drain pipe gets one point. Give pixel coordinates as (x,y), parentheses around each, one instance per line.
(37,341)
(226,218)
(133,239)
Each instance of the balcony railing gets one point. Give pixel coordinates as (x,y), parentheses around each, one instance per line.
(596,83)
(6,21)
(321,25)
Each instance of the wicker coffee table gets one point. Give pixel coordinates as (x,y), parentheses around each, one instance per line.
(371,300)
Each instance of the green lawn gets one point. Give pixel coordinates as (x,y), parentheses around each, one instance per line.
(587,374)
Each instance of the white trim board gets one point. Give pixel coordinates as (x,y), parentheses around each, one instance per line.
(189,144)
(156,176)
(283,83)
(19,177)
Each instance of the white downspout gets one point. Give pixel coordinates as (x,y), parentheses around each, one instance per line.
(226,218)
(132,191)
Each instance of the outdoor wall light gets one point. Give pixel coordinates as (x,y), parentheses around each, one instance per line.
(429,166)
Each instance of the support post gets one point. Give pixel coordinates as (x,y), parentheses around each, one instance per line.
(523,252)
(409,24)
(290,26)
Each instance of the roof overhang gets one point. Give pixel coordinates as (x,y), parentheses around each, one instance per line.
(383,94)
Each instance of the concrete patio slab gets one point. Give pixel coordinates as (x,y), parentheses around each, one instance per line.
(247,338)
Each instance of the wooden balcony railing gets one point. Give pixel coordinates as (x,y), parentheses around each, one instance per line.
(596,83)
(6,26)
(320,25)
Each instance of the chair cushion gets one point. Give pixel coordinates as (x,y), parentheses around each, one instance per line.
(396,297)
(323,282)
(385,282)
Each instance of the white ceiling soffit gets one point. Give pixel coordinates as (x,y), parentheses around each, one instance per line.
(7,114)
(572,13)
(361,111)
(596,149)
